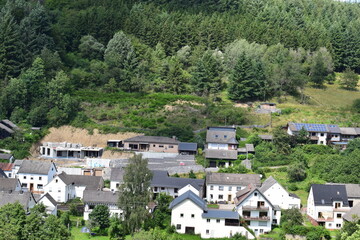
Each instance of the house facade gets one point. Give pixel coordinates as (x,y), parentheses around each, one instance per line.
(326,205)
(222,187)
(152,144)
(49,203)
(7,169)
(26,199)
(221,144)
(69,150)
(256,210)
(34,175)
(277,194)
(65,187)
(189,214)
(92,198)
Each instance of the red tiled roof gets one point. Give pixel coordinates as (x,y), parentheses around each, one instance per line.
(6,166)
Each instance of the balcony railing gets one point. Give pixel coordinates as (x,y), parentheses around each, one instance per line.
(252,208)
(263,218)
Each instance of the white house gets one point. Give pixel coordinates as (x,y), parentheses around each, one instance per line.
(50,204)
(26,199)
(92,198)
(65,187)
(34,175)
(256,210)
(116,178)
(326,205)
(277,194)
(7,168)
(221,144)
(69,150)
(189,214)
(322,134)
(224,186)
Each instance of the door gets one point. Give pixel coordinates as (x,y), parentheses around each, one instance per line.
(31,187)
(229,198)
(190,230)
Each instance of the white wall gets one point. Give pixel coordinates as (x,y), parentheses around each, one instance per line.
(187,208)
(217,146)
(58,190)
(215,229)
(213,192)
(114,211)
(187,188)
(277,195)
(50,208)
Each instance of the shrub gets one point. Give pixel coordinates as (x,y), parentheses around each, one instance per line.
(293,187)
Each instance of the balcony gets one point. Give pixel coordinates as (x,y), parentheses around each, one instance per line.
(252,208)
(340,209)
(263,218)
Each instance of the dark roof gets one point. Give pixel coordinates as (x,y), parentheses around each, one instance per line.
(9,124)
(268,183)
(51,199)
(6,156)
(2,174)
(8,184)
(352,189)
(6,166)
(243,194)
(91,182)
(191,196)
(36,167)
(221,214)
(353,214)
(22,197)
(348,131)
(100,197)
(153,139)
(221,135)
(326,194)
(250,147)
(233,179)
(312,127)
(162,179)
(221,154)
(185,146)
(2,126)
(117,174)
(294,195)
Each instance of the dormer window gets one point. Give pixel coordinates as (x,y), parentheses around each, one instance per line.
(225,136)
(216,136)
(337,205)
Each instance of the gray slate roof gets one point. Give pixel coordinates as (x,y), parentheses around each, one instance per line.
(221,135)
(35,167)
(221,154)
(152,139)
(91,182)
(2,174)
(326,194)
(221,214)
(185,146)
(353,214)
(191,196)
(162,179)
(51,199)
(100,197)
(6,156)
(22,197)
(9,124)
(8,184)
(5,128)
(352,190)
(348,131)
(117,174)
(268,183)
(233,179)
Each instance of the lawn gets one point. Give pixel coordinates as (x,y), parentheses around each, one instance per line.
(78,235)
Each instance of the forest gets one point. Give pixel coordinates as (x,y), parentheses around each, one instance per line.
(243,50)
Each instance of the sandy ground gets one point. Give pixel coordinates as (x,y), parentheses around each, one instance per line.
(82,136)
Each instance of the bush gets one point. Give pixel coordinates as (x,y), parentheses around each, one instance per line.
(293,187)
(241,157)
(356,105)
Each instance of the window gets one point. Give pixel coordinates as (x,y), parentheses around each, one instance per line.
(321,142)
(322,134)
(221,188)
(313,134)
(40,186)
(338,215)
(192,215)
(216,136)
(211,196)
(218,220)
(162,188)
(230,188)
(40,178)
(208,220)
(211,187)
(175,190)
(225,136)
(255,194)
(207,231)
(24,177)
(155,189)
(338,225)
(56,181)
(330,224)
(261,230)
(154,145)
(24,185)
(50,190)
(31,178)
(161,146)
(238,188)
(274,212)
(171,146)
(59,190)
(181,215)
(178,226)
(274,221)
(9,175)
(351,203)
(221,197)
(337,205)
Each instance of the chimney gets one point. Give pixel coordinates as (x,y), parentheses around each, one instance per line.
(174,137)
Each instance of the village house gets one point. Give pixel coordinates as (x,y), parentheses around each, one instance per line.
(7,128)
(6,156)
(69,150)
(277,194)
(352,191)
(353,215)
(257,210)
(186,148)
(221,144)
(34,175)
(26,199)
(9,185)
(326,205)
(189,214)
(7,168)
(322,134)
(152,144)
(65,187)
(50,204)
(92,198)
(222,187)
